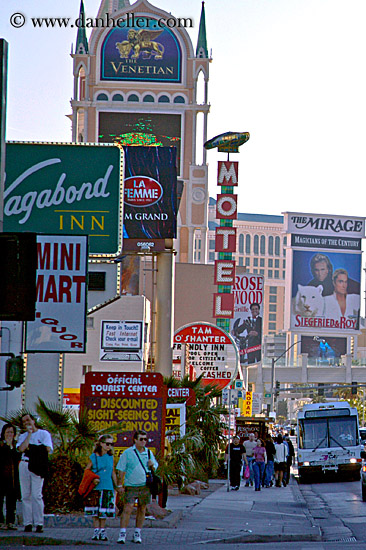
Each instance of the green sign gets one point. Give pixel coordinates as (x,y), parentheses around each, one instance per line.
(71,189)
(267,395)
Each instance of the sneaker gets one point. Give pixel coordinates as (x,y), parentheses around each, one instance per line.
(28,529)
(236,488)
(39,529)
(137,538)
(247,484)
(11,527)
(95,537)
(103,536)
(2,527)
(122,538)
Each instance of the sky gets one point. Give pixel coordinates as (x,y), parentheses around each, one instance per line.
(290,72)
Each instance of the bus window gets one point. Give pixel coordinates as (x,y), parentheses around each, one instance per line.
(343,432)
(313,433)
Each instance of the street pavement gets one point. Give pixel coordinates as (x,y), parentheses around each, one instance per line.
(236,517)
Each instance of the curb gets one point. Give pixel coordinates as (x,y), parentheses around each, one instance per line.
(29,540)
(316,537)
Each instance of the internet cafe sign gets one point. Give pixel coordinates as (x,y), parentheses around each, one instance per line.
(60,188)
(210,350)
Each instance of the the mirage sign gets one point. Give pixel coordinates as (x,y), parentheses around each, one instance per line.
(66,189)
(322,224)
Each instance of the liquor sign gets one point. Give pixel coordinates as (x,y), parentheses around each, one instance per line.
(133,401)
(60,321)
(64,188)
(211,352)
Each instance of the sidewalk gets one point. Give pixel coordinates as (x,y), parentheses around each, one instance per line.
(275,514)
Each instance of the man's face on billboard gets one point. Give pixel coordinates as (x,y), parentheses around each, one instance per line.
(340,284)
(321,270)
(255,311)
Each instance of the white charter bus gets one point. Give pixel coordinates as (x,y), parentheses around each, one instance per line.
(328,440)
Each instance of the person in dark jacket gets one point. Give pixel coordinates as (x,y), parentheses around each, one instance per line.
(271,451)
(9,476)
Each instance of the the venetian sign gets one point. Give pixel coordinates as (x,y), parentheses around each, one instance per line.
(66,189)
(141,52)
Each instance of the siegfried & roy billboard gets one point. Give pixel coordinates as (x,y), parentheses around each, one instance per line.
(324,259)
(63,188)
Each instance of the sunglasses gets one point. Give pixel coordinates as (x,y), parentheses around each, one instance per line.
(142,438)
(109,444)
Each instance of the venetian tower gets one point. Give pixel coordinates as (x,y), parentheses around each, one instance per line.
(147,98)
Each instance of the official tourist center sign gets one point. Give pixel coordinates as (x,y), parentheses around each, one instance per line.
(210,350)
(63,188)
(324,261)
(141,51)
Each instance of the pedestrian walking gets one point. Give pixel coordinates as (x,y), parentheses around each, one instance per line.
(280,463)
(237,454)
(290,457)
(249,446)
(259,464)
(9,476)
(99,503)
(133,466)
(269,471)
(35,445)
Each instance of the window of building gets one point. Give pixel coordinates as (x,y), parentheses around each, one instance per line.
(272,307)
(276,274)
(199,244)
(241,244)
(102,97)
(163,99)
(277,246)
(211,244)
(256,245)
(263,244)
(211,256)
(283,274)
(261,272)
(270,273)
(133,97)
(277,263)
(255,271)
(240,260)
(272,326)
(273,290)
(270,246)
(90,322)
(247,244)
(270,262)
(148,99)
(117,97)
(96,280)
(273,299)
(86,368)
(261,262)
(255,262)
(272,317)
(283,264)
(284,244)
(179,99)
(247,262)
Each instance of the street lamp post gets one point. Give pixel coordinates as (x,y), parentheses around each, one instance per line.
(274,361)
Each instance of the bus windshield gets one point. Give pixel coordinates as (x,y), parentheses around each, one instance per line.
(318,433)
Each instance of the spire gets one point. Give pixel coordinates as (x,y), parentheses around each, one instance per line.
(201,50)
(81,39)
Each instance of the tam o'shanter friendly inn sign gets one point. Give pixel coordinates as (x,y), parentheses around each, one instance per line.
(66,189)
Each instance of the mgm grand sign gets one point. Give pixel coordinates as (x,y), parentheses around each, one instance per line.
(140,53)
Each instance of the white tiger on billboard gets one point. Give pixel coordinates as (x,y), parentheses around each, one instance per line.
(309,301)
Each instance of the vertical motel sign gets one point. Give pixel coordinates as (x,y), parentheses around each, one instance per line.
(225,243)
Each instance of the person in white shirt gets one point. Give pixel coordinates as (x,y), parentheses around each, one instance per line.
(340,304)
(31,483)
(280,460)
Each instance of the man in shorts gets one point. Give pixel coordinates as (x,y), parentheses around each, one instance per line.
(132,468)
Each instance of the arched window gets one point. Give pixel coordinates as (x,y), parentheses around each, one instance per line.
(179,99)
(270,246)
(102,97)
(277,246)
(133,97)
(117,97)
(247,244)
(284,244)
(241,243)
(148,99)
(164,99)
(263,244)
(256,244)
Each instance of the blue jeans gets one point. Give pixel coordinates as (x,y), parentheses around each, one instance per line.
(269,472)
(258,469)
(250,464)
